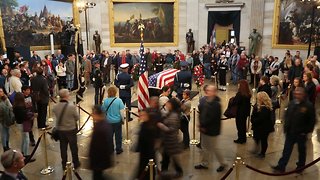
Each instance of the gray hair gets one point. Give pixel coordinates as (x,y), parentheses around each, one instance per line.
(15,72)
(9,157)
(64,93)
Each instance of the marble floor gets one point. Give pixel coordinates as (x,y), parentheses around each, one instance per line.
(126,162)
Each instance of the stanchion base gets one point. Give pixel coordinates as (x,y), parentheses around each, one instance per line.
(47,170)
(249,134)
(278,121)
(50,119)
(194,142)
(127,141)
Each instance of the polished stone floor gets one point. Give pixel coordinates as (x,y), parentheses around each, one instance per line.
(126,162)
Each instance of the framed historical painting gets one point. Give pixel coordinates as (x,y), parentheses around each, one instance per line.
(30,22)
(292,24)
(159,17)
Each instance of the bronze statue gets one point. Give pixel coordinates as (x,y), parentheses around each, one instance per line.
(97,41)
(255,38)
(190,41)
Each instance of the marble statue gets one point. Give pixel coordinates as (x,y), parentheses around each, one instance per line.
(255,38)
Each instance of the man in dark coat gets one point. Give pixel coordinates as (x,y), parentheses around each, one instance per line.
(124,82)
(101,146)
(210,128)
(34,59)
(13,162)
(97,83)
(40,93)
(264,86)
(183,79)
(296,70)
(299,121)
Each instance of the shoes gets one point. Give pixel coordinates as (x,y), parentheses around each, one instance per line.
(119,152)
(278,169)
(200,166)
(77,166)
(299,170)
(221,168)
(5,149)
(130,119)
(199,146)
(239,141)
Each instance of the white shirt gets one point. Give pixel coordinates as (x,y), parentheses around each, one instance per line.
(61,71)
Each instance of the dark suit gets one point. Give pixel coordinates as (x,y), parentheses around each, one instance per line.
(34,60)
(20,176)
(40,84)
(182,81)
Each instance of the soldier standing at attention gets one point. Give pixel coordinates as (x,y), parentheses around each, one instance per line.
(183,79)
(124,82)
(98,84)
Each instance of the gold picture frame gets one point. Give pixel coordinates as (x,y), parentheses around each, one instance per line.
(276,31)
(161,44)
(76,20)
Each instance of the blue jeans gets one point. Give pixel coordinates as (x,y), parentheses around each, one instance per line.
(234,75)
(5,136)
(25,140)
(70,81)
(127,101)
(117,132)
(207,70)
(288,147)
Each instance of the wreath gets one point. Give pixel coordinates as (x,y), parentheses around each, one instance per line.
(198,75)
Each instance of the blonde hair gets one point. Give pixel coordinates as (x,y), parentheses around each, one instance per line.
(112,91)
(288,62)
(263,99)
(274,80)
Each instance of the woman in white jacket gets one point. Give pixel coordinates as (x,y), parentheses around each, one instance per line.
(61,74)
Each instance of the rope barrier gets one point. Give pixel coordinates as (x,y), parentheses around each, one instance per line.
(64,177)
(134,114)
(227,174)
(84,110)
(84,124)
(285,173)
(54,101)
(34,150)
(77,174)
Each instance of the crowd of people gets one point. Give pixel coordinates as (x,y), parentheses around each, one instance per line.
(26,87)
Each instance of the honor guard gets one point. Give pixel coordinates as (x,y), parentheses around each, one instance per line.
(124,82)
(97,83)
(183,79)
(222,69)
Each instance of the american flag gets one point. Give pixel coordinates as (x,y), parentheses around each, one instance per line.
(162,78)
(143,92)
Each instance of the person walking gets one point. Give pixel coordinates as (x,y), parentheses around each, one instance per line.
(113,108)
(210,128)
(262,124)
(6,114)
(100,156)
(242,101)
(299,120)
(170,131)
(67,116)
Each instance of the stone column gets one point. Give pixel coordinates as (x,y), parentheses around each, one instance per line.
(257,19)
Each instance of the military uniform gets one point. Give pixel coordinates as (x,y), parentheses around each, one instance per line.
(97,85)
(124,82)
(183,80)
(222,69)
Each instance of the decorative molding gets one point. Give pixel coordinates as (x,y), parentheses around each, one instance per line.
(215,5)
(224,1)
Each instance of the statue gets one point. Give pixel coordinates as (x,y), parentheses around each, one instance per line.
(97,41)
(255,39)
(190,41)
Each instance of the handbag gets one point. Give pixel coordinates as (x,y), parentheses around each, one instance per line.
(55,131)
(232,109)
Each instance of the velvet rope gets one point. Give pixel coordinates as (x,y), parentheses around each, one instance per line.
(64,175)
(54,101)
(84,110)
(227,174)
(144,173)
(285,173)
(84,124)
(35,149)
(77,174)
(134,114)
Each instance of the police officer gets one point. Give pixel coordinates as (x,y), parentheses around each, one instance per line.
(124,82)
(183,79)
(97,83)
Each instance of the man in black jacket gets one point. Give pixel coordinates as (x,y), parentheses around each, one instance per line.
(40,95)
(13,162)
(210,127)
(296,70)
(300,120)
(98,84)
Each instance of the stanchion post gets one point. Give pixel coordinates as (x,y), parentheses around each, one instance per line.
(279,121)
(48,169)
(151,165)
(69,170)
(127,140)
(237,163)
(194,141)
(50,119)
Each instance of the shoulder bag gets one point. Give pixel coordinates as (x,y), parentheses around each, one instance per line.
(55,131)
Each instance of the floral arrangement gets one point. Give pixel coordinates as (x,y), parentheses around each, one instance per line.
(135,72)
(198,75)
